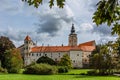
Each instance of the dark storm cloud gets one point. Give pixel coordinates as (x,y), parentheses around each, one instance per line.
(49,24)
(52,23)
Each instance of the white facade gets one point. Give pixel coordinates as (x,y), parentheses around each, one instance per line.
(75,56)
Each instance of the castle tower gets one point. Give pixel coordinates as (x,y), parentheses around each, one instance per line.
(28,44)
(72,37)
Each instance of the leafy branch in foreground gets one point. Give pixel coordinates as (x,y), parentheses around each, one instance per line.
(36,3)
(108,11)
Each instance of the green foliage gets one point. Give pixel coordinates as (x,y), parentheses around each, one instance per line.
(41,69)
(36,3)
(103,61)
(117,50)
(5,44)
(65,61)
(108,11)
(3,70)
(13,61)
(62,69)
(92,72)
(45,59)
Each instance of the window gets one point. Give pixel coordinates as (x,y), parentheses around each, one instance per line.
(88,56)
(27,47)
(59,54)
(37,54)
(85,60)
(40,54)
(51,55)
(77,54)
(45,54)
(74,61)
(32,54)
(55,59)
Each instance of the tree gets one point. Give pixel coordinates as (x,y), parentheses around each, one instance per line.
(5,44)
(13,60)
(102,61)
(36,3)
(45,59)
(117,49)
(108,11)
(65,61)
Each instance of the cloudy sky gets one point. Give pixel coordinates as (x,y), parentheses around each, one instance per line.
(51,26)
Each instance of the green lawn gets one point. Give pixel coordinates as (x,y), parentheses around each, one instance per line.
(78,71)
(68,76)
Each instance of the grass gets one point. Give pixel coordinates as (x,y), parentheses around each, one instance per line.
(78,71)
(68,76)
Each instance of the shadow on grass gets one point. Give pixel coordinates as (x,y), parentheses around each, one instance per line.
(87,76)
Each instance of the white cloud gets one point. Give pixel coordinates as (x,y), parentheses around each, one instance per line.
(86,27)
(78,12)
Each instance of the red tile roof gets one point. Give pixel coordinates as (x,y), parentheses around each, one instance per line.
(27,38)
(90,43)
(88,46)
(53,49)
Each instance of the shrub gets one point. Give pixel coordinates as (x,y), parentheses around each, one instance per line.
(13,70)
(45,59)
(13,61)
(41,69)
(65,61)
(82,73)
(3,70)
(33,63)
(62,69)
(92,72)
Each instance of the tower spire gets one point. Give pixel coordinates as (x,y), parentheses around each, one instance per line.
(73,29)
(72,37)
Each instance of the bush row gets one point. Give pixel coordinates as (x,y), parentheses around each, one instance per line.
(45,69)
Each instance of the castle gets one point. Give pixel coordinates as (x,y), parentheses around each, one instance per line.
(78,53)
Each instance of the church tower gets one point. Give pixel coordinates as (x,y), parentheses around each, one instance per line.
(72,37)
